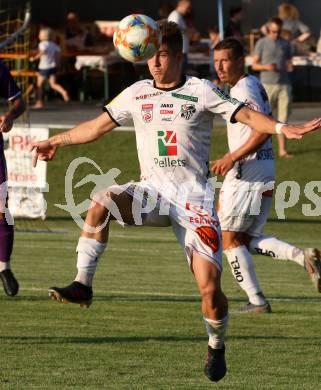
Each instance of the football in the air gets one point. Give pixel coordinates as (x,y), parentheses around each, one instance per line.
(137,38)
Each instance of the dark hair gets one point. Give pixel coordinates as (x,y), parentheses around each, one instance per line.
(231,44)
(235,10)
(171,35)
(276,20)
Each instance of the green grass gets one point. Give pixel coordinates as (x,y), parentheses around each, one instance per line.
(144,329)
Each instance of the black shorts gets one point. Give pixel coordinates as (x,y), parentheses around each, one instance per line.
(47,72)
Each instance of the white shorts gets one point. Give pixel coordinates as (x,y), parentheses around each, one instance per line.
(247,214)
(196,228)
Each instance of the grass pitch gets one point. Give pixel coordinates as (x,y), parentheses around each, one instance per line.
(144,329)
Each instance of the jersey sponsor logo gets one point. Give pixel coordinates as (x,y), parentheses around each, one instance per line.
(147,112)
(149,95)
(169,163)
(167,146)
(167,143)
(185,97)
(166,112)
(224,96)
(203,216)
(209,237)
(187,111)
(165,105)
(235,265)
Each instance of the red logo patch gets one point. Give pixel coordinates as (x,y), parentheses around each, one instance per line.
(166,112)
(209,237)
(147,112)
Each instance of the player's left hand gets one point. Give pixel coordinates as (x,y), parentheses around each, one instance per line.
(297,131)
(42,150)
(223,165)
(6,123)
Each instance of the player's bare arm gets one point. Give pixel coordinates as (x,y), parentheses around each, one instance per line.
(226,163)
(84,133)
(16,109)
(36,56)
(266,124)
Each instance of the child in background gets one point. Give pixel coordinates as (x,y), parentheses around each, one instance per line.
(48,53)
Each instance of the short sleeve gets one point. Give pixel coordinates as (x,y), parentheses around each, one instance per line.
(119,108)
(258,49)
(303,28)
(173,18)
(220,103)
(8,87)
(42,46)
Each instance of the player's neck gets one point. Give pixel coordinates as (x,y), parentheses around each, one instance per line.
(237,78)
(168,85)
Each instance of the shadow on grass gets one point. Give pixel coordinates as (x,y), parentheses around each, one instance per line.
(139,339)
(307,151)
(155,298)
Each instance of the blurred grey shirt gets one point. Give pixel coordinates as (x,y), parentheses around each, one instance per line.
(277,52)
(295,26)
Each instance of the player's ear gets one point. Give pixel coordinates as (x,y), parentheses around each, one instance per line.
(241,62)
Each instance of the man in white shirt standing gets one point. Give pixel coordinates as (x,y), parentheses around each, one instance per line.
(248,167)
(183,7)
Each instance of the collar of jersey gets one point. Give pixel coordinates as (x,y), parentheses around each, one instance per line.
(172,88)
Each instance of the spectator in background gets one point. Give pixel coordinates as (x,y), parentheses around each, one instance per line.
(164,10)
(290,16)
(76,36)
(215,38)
(9,91)
(272,58)
(182,9)
(233,28)
(48,53)
(319,45)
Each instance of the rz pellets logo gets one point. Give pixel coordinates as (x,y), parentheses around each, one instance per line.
(167,143)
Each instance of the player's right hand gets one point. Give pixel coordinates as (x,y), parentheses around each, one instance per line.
(42,150)
(223,165)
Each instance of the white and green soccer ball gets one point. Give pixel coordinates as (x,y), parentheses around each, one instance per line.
(137,38)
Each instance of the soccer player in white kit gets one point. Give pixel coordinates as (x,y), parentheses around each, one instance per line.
(173,123)
(249,170)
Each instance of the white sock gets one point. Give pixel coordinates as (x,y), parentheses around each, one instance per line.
(4,265)
(271,246)
(89,251)
(243,270)
(216,330)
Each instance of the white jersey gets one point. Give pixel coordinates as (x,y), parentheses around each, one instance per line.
(49,59)
(173,129)
(258,166)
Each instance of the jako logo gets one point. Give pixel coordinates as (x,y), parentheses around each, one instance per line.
(167,143)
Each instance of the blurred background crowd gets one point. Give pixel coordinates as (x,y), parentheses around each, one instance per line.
(88,67)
